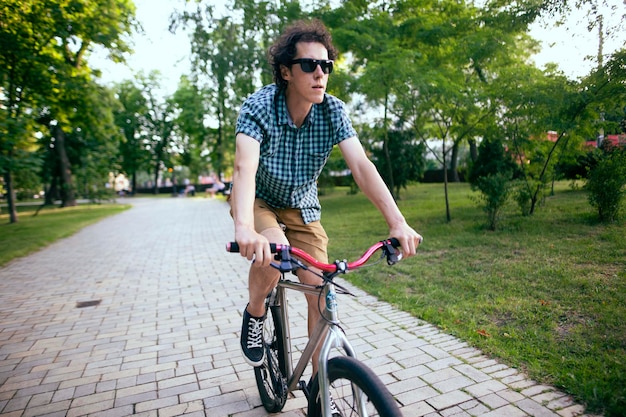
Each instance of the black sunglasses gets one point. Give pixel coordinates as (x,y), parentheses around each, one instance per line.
(310,65)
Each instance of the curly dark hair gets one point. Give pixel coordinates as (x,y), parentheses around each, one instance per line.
(284,49)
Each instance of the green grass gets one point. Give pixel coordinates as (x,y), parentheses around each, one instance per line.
(32,233)
(546,294)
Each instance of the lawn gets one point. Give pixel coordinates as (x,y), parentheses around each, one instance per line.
(32,232)
(545,294)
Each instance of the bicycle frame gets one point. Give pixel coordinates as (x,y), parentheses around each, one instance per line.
(326,330)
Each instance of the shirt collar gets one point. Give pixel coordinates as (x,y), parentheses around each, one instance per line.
(282,115)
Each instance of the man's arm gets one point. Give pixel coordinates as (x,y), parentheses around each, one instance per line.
(370,182)
(251,244)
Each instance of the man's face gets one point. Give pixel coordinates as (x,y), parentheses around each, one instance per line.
(307,86)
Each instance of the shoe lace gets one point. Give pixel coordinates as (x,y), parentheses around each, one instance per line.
(255,333)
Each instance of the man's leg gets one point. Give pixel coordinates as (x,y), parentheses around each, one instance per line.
(261,281)
(311,238)
(315,305)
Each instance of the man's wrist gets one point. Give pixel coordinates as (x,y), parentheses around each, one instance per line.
(397,222)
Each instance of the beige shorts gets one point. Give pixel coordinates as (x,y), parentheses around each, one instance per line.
(309,237)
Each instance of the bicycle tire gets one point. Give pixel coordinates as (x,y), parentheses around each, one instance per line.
(343,373)
(270,376)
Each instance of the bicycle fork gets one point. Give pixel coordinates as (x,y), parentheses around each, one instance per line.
(335,339)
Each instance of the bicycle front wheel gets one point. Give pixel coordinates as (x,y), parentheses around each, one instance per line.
(347,376)
(270,376)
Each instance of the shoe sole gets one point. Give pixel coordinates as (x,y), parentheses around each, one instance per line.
(253,363)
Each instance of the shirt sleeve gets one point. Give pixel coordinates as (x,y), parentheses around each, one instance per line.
(341,121)
(252,120)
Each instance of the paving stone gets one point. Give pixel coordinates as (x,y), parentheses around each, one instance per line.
(506,411)
(486,387)
(448,399)
(534,409)
(572,411)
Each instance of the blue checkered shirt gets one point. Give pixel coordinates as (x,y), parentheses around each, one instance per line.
(291,158)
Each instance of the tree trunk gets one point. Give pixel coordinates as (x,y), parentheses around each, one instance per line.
(445,182)
(133,182)
(8,181)
(155,191)
(67,187)
(391,184)
(473,149)
(51,194)
(454,163)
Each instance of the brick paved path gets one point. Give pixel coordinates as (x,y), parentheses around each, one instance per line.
(163,340)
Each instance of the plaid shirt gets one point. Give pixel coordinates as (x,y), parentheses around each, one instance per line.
(291,158)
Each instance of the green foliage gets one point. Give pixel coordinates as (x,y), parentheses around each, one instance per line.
(401,156)
(522,194)
(335,173)
(494,194)
(606,182)
(45,79)
(228,62)
(491,175)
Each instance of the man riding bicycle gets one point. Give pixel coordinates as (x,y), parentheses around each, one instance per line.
(284,135)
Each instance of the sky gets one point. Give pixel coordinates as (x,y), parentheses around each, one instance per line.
(158,49)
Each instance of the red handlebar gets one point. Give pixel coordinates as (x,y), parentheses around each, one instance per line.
(277,247)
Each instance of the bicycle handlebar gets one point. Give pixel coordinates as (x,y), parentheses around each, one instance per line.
(233,247)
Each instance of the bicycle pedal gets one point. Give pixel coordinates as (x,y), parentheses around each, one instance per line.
(304,387)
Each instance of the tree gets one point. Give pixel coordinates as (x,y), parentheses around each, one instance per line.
(130,119)
(442,56)
(43,46)
(377,66)
(159,128)
(404,154)
(190,104)
(25,37)
(535,102)
(228,61)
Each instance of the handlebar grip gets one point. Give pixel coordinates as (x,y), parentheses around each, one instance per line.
(233,247)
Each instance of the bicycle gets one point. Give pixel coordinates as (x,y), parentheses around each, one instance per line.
(354,388)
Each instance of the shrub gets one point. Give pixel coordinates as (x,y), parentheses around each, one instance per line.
(491,174)
(494,193)
(605,183)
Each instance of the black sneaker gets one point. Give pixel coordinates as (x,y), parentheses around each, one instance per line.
(252,339)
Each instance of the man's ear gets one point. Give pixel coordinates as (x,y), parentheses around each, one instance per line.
(285,72)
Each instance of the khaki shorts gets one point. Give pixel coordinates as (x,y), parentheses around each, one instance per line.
(309,237)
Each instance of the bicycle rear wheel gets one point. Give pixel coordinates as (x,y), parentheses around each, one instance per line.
(345,374)
(270,376)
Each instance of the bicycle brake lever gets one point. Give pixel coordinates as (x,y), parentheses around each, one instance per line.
(287,263)
(393,255)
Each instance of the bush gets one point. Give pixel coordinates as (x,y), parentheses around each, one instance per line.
(523,197)
(491,174)
(494,193)
(605,183)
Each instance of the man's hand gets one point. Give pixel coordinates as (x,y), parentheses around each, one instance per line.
(409,239)
(254,246)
